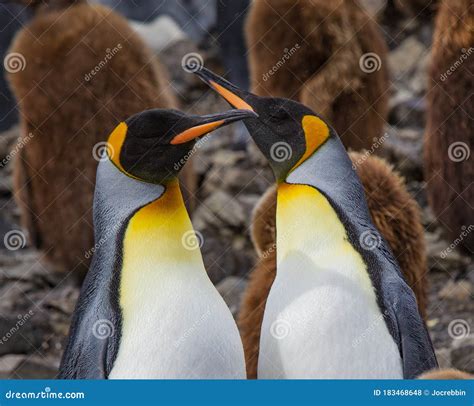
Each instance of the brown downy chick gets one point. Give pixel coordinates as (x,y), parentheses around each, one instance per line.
(329,56)
(446,374)
(396,215)
(449,140)
(85,70)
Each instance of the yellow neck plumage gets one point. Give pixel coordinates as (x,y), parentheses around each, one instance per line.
(308,227)
(159,238)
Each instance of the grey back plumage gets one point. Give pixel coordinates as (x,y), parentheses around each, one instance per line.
(95,331)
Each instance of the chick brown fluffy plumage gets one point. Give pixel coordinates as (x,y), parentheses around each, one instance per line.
(312,51)
(65,113)
(449,139)
(395,214)
(446,374)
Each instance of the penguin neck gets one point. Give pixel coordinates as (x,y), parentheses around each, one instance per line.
(309,205)
(308,229)
(149,213)
(160,253)
(163,227)
(331,173)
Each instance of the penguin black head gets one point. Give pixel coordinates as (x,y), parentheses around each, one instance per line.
(149,145)
(287,132)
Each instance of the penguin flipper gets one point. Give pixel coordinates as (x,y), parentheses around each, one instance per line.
(95,331)
(415,345)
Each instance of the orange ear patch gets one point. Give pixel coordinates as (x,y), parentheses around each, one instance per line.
(115,142)
(316,132)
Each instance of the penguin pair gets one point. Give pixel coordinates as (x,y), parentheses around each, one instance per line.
(147,308)
(84,70)
(339,306)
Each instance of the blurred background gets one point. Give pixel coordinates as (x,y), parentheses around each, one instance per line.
(38,291)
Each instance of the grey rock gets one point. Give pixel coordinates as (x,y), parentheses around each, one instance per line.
(12,18)
(173,58)
(228,158)
(440,255)
(407,111)
(256,157)
(21,335)
(196,17)
(235,179)
(428,219)
(226,255)
(225,210)
(231,290)
(405,58)
(460,291)
(418,82)
(443,355)
(462,355)
(470,274)
(63,300)
(27,270)
(403,147)
(159,34)
(375,8)
(7,141)
(9,363)
(34,368)
(6,182)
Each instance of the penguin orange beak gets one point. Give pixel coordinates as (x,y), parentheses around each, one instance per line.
(236,97)
(211,122)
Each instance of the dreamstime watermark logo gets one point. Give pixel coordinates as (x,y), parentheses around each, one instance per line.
(22,319)
(367,153)
(192,62)
(192,240)
(14,240)
(280,329)
(459,151)
(102,151)
(465,53)
(178,165)
(109,54)
(370,240)
(370,62)
(464,233)
(281,151)
(287,54)
(47,393)
(103,329)
(22,141)
(269,251)
(458,329)
(14,62)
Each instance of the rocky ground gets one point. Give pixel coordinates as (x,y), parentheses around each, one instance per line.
(36,305)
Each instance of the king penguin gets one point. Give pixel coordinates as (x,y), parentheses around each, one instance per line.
(147,308)
(339,307)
